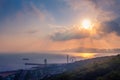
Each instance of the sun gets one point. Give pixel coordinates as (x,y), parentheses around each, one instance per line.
(86,24)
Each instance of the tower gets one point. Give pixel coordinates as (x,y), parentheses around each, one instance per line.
(67,59)
(45,62)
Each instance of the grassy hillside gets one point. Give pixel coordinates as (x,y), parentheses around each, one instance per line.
(105,68)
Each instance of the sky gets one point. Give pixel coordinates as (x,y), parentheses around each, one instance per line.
(55,25)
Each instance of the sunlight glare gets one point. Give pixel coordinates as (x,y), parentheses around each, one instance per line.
(86,24)
(87,55)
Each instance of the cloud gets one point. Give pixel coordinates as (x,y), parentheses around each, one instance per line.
(105,12)
(102,10)
(41,14)
(32,31)
(103,30)
(69,34)
(110,27)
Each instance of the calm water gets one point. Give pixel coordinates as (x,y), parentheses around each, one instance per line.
(15,61)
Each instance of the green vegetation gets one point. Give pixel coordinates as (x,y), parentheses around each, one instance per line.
(107,68)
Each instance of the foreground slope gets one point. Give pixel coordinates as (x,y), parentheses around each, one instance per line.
(105,68)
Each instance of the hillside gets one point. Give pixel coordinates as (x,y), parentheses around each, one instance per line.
(105,68)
